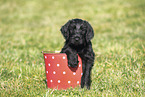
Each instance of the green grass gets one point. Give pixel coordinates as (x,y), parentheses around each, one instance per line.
(28,27)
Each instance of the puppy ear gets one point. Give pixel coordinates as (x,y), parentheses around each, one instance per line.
(64,30)
(90,32)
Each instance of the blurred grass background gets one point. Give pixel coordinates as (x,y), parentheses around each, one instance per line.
(28,27)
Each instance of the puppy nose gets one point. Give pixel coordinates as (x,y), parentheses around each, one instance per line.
(77,38)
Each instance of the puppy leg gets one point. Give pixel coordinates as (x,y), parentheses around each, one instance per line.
(72,60)
(83,76)
(71,56)
(88,75)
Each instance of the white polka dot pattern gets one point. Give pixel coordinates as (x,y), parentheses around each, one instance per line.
(74,73)
(63,57)
(58,73)
(58,81)
(52,57)
(79,65)
(57,65)
(49,64)
(54,72)
(64,72)
(78,82)
(69,82)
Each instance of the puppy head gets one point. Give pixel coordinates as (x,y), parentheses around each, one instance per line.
(77,32)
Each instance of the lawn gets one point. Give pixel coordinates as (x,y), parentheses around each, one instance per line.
(28,27)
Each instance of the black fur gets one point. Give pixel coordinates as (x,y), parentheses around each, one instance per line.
(78,34)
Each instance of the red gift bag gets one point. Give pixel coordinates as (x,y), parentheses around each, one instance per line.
(58,74)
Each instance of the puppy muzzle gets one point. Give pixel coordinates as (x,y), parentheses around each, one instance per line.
(77,38)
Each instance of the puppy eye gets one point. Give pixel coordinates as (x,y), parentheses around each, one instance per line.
(72,27)
(83,28)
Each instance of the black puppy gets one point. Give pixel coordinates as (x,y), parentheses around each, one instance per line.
(78,34)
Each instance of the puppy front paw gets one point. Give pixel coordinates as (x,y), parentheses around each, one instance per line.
(82,81)
(72,63)
(88,87)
